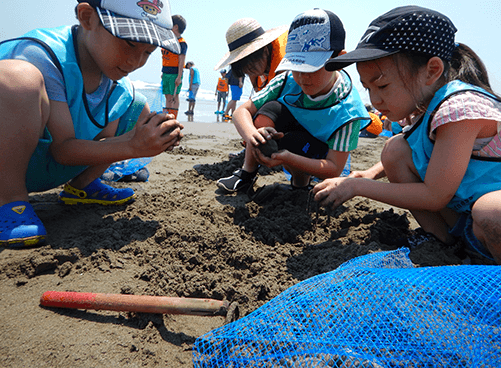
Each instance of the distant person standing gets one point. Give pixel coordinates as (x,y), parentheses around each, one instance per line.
(236,88)
(172,68)
(221,92)
(194,85)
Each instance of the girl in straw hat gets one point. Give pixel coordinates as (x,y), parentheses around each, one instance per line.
(254,51)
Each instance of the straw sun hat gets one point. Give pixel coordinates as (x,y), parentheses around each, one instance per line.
(246,36)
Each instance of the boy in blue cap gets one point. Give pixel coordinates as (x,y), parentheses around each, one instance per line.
(314,114)
(69,111)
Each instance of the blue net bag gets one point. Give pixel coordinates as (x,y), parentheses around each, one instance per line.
(373,311)
(158,101)
(118,170)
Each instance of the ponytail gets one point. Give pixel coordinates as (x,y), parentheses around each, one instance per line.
(467,67)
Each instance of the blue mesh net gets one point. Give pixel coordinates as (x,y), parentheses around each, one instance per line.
(157,103)
(118,170)
(373,311)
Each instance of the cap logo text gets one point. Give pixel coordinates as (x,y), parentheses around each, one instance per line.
(369,34)
(306,21)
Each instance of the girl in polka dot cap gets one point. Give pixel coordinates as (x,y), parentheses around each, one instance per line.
(447,168)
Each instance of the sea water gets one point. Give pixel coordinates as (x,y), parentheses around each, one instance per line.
(205,106)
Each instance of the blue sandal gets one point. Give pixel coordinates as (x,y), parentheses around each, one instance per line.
(20,226)
(96,193)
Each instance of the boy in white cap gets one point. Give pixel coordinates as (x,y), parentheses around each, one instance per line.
(69,111)
(315,115)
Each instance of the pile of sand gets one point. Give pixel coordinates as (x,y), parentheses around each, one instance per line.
(183,238)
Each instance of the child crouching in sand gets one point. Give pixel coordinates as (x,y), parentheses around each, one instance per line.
(314,114)
(68,110)
(447,168)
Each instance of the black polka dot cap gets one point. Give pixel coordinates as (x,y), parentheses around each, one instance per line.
(407,28)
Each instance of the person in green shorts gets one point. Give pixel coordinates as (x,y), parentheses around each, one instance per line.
(172,68)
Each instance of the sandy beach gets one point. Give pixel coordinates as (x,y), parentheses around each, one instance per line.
(182,237)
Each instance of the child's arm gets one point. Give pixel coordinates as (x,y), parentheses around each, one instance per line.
(150,137)
(242,118)
(448,163)
(374,173)
(180,69)
(108,133)
(330,167)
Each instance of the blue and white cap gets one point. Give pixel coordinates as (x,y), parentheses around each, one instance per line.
(147,21)
(313,36)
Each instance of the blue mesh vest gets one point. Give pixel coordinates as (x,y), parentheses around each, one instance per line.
(483,174)
(60,43)
(323,122)
(44,172)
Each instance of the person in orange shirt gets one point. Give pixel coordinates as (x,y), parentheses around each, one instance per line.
(172,68)
(253,51)
(376,126)
(221,92)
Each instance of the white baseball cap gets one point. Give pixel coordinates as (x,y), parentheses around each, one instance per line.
(147,21)
(313,36)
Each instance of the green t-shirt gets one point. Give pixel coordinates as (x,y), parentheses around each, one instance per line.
(346,138)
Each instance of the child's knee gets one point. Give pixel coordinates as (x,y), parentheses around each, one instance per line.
(486,225)
(395,148)
(486,213)
(263,121)
(20,81)
(268,114)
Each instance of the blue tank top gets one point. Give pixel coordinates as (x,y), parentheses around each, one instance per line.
(323,122)
(61,46)
(196,76)
(483,174)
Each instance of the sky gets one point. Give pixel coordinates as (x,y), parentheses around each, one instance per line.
(478,24)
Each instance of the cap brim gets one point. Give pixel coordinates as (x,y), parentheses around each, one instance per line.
(139,30)
(247,49)
(355,56)
(305,62)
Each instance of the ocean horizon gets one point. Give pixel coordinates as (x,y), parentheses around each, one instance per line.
(205,106)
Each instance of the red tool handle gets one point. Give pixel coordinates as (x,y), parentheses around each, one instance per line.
(133,303)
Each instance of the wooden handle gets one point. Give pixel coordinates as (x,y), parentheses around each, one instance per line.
(134,303)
